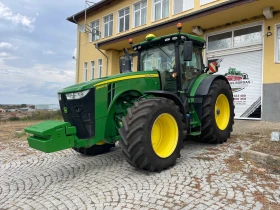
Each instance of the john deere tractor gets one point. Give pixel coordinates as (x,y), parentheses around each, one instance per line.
(169,98)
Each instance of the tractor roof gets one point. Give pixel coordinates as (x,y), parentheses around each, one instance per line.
(169,39)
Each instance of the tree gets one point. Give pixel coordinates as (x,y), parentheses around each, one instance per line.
(23,105)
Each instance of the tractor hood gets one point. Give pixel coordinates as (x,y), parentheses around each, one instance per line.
(105,80)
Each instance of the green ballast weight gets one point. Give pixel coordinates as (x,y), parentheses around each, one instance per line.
(51,136)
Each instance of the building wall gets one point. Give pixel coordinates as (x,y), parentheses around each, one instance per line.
(86,51)
(271,69)
(271,74)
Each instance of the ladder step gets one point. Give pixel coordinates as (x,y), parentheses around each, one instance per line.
(194,123)
(196,133)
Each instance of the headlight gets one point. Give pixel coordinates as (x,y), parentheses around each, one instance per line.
(76,95)
(59,97)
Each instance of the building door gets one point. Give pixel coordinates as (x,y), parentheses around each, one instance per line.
(241,53)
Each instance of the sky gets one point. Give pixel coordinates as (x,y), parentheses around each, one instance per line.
(37,44)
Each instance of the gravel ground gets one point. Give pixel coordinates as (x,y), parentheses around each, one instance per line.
(242,127)
(205,177)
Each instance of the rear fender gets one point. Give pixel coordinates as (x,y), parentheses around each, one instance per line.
(205,84)
(203,90)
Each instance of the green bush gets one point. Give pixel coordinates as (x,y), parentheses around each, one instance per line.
(14,118)
(41,115)
(46,115)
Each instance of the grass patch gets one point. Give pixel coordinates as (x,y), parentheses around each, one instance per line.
(197,183)
(233,163)
(214,149)
(20,134)
(204,158)
(209,177)
(14,130)
(266,203)
(264,145)
(263,171)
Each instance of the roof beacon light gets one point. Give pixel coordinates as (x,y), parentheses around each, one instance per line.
(150,37)
(179,27)
(130,41)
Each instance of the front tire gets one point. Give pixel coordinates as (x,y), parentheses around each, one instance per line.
(152,134)
(94,149)
(217,113)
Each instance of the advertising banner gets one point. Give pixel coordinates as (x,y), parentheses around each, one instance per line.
(244,73)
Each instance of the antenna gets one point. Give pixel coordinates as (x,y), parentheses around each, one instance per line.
(84,27)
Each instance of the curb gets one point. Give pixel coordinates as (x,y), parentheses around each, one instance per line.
(261,157)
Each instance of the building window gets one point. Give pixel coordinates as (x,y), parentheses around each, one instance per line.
(108,25)
(278,44)
(99,68)
(92,63)
(202,2)
(95,33)
(140,13)
(124,19)
(220,41)
(182,5)
(85,71)
(160,9)
(247,36)
(235,39)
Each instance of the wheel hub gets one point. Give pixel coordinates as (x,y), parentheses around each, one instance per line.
(164,135)
(222,112)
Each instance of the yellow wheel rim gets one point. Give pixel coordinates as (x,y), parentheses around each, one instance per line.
(222,112)
(100,143)
(164,135)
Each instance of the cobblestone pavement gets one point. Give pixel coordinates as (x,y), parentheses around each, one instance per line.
(205,177)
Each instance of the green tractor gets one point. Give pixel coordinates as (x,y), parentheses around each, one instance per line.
(150,112)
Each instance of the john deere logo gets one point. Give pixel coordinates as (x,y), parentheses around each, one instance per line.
(65,110)
(237,80)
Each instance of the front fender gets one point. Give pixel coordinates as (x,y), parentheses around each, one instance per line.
(171,96)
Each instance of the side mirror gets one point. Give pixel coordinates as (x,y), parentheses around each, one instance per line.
(127,61)
(188,50)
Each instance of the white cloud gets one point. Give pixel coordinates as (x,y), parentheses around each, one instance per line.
(7,45)
(48,52)
(38,84)
(7,14)
(3,54)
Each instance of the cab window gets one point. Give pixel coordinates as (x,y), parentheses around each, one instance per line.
(190,69)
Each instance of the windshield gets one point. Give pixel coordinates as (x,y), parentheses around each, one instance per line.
(161,58)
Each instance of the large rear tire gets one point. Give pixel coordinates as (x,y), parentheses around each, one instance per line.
(152,134)
(217,113)
(95,149)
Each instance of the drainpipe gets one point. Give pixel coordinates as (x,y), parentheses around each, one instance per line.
(77,53)
(96,46)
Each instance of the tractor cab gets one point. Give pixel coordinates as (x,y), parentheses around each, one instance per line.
(177,57)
